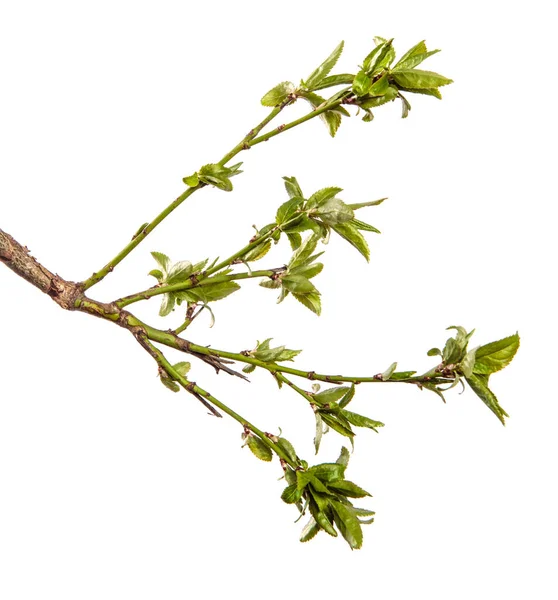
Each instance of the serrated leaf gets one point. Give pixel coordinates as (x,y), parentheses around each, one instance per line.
(249,368)
(382,55)
(362,226)
(291,494)
(310,530)
(348,524)
(359,205)
(303,253)
(259,449)
(157,274)
(348,488)
(331,395)
(287,448)
(328,472)
(191,180)
(295,239)
(419,48)
(332,121)
(368,102)
(292,187)
(167,305)
(334,211)
(334,423)
(361,420)
(405,106)
(288,210)
(413,61)
(347,397)
(213,292)
(297,284)
(162,260)
(179,272)
(278,94)
(320,197)
(308,271)
(468,362)
(182,368)
(425,92)
(479,385)
(332,80)
(350,233)
(169,383)
(344,457)
(311,301)
(434,352)
(258,252)
(386,375)
(321,519)
(324,69)
(361,83)
(417,79)
(493,357)
(379,87)
(272,284)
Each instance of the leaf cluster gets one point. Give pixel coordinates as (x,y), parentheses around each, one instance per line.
(326,494)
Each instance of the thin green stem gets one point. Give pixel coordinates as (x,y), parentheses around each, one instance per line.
(192,284)
(206,397)
(295,387)
(138,238)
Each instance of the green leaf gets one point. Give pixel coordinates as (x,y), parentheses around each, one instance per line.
(291,494)
(349,489)
(311,301)
(319,431)
(350,233)
(292,187)
(334,211)
(360,420)
(297,284)
(191,180)
(319,74)
(332,80)
(258,252)
(328,472)
(308,271)
(360,205)
(405,106)
(310,530)
(434,352)
(331,395)
(344,457)
(278,94)
(157,274)
(216,291)
(295,240)
(468,362)
(425,92)
(304,252)
(182,368)
(167,305)
(259,449)
(417,79)
(368,102)
(287,448)
(347,397)
(249,368)
(162,260)
(288,210)
(322,519)
(290,475)
(386,375)
(382,55)
(322,196)
(414,61)
(362,226)
(493,357)
(348,524)
(419,48)
(380,87)
(361,83)
(168,382)
(335,423)
(479,385)
(402,375)
(332,121)
(179,272)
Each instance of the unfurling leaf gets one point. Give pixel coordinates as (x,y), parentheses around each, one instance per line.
(331,395)
(292,187)
(319,432)
(167,305)
(278,94)
(259,448)
(191,180)
(258,252)
(179,272)
(350,233)
(291,494)
(162,260)
(168,382)
(343,457)
(310,530)
(182,368)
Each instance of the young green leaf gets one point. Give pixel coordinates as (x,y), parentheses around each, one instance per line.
(361,421)
(258,252)
(348,524)
(322,196)
(337,423)
(361,83)
(328,472)
(179,272)
(295,240)
(343,457)
(191,180)
(216,291)
(167,305)
(287,448)
(162,260)
(479,385)
(350,233)
(311,301)
(333,212)
(324,69)
(288,210)
(332,121)
(278,94)
(168,382)
(319,431)
(348,488)
(157,274)
(347,397)
(259,448)
(332,80)
(297,284)
(416,79)
(331,395)
(292,187)
(493,357)
(291,494)
(182,368)
(310,530)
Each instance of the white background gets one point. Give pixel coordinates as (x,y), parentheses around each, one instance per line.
(111,486)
